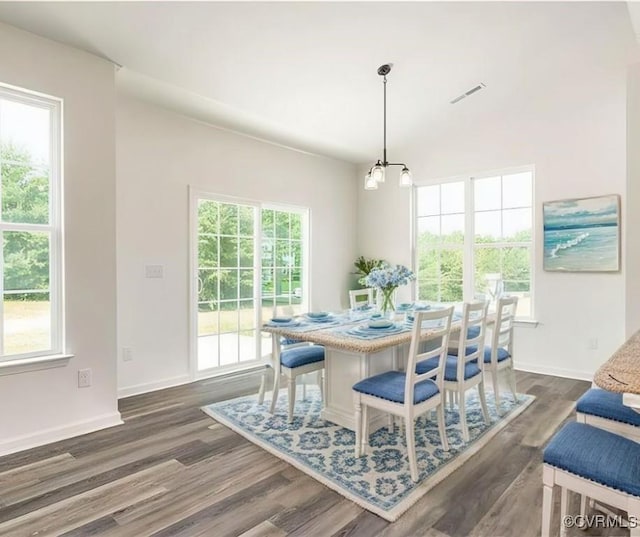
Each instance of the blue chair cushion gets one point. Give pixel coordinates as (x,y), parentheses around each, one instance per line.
(288,341)
(596,454)
(300,356)
(608,405)
(503,354)
(471,369)
(390,386)
(473,331)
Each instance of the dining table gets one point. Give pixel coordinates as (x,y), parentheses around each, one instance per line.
(353,351)
(621,372)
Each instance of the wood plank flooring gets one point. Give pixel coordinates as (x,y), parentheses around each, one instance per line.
(170,470)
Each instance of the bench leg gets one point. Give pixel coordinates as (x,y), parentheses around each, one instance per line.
(564,500)
(548,493)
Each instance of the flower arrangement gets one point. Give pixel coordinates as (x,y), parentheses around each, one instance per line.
(364,266)
(387,279)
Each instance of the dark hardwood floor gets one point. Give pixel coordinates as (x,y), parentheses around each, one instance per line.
(170,470)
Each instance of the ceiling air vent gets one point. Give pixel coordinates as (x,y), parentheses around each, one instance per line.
(470,92)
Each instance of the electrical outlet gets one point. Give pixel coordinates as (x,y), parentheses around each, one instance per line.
(127,354)
(154,271)
(592,344)
(84,378)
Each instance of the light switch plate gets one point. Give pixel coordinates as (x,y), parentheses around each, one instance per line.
(153,271)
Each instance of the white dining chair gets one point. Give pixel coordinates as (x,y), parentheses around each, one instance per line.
(409,393)
(499,355)
(464,370)
(291,358)
(361,297)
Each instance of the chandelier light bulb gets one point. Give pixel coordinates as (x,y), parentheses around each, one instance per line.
(370,183)
(377,173)
(405,177)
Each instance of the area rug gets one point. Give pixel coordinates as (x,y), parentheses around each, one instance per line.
(379,481)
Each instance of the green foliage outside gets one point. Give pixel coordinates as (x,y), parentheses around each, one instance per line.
(440,269)
(25,200)
(226,263)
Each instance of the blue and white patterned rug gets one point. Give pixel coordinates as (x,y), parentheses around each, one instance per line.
(380,481)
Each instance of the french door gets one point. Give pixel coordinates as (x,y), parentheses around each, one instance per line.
(247,258)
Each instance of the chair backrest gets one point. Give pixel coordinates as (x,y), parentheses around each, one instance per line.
(474,321)
(428,326)
(503,328)
(361,297)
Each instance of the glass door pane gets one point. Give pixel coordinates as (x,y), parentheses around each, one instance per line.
(226,316)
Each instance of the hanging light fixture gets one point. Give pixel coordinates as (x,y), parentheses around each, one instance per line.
(378,171)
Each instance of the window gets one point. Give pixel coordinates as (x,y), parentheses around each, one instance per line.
(30,155)
(249,260)
(474,238)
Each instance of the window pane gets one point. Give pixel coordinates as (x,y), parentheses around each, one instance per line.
(428,230)
(451,291)
(282,225)
(245,217)
(229,316)
(487,226)
(283,258)
(207,285)
(487,261)
(267,284)
(451,264)
(247,345)
(516,225)
(27,322)
(452,228)
(207,251)
(428,264)
(268,252)
(228,219)
(428,200)
(516,264)
(452,198)
(268,223)
(25,193)
(487,194)
(296,226)
(247,315)
(517,190)
(228,284)
(26,129)
(296,253)
(228,252)
(428,290)
(208,318)
(246,252)
(246,283)
(229,347)
(26,260)
(207,216)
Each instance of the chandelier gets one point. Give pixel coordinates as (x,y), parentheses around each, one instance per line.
(377,172)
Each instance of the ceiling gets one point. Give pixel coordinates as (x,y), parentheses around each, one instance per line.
(303,74)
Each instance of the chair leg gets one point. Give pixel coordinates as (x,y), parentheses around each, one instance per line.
(365,430)
(292,396)
(263,383)
(548,493)
(450,399)
(411,449)
(496,388)
(583,505)
(358,420)
(512,382)
(483,402)
(441,427)
(462,411)
(392,423)
(304,390)
(320,381)
(564,500)
(276,390)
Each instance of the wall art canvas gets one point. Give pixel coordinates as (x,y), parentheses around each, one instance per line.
(582,235)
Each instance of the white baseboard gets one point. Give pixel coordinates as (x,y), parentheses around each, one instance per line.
(138,389)
(20,443)
(555,371)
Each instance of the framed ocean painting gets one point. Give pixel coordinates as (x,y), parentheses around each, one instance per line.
(582,235)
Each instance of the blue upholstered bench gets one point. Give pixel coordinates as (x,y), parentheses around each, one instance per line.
(594,463)
(604,409)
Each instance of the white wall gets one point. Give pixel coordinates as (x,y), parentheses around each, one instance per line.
(159,154)
(46,405)
(574,134)
(632,244)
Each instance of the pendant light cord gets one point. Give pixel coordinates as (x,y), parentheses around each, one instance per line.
(384,123)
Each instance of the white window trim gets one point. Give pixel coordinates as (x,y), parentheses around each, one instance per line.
(195,194)
(54,356)
(468,246)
